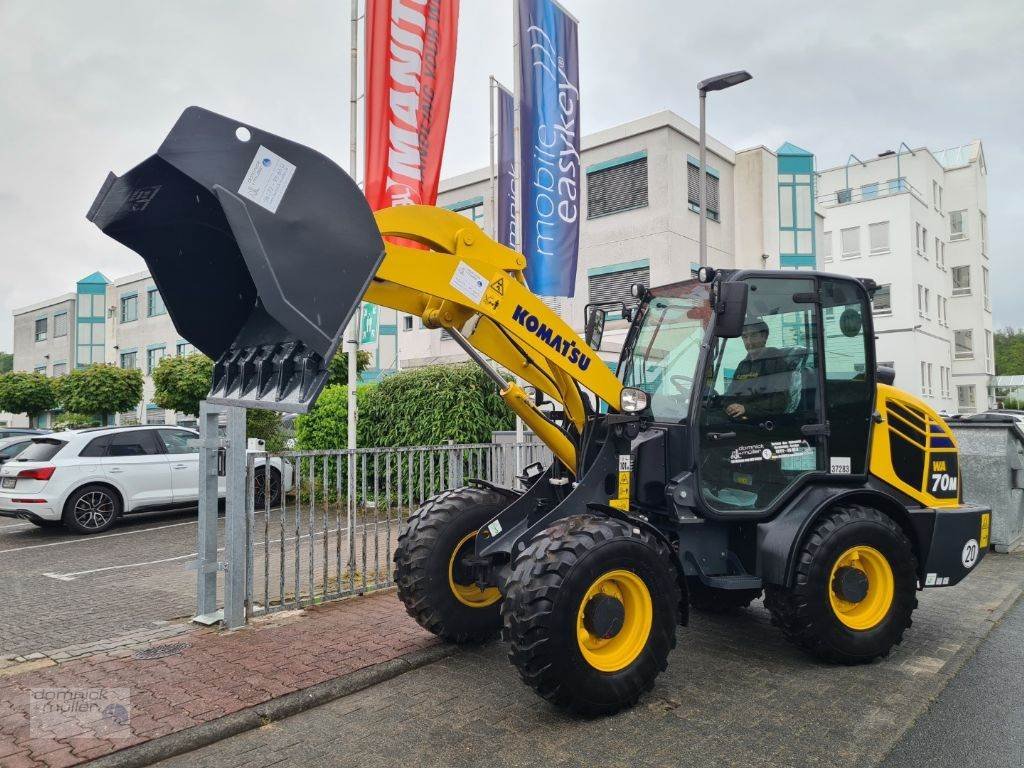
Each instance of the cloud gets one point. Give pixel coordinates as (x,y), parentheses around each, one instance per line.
(93,87)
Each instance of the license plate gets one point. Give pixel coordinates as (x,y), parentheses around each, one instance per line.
(9,482)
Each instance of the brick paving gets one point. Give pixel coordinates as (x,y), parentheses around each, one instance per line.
(218,673)
(735,694)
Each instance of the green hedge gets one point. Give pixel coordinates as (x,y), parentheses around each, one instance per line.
(423,406)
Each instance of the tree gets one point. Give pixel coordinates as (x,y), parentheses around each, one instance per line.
(100,388)
(337,369)
(25,392)
(181,382)
(1009,350)
(266,425)
(6,362)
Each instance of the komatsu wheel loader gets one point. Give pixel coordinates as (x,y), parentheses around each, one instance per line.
(748,444)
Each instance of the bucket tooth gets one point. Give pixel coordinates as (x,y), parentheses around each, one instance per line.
(261,248)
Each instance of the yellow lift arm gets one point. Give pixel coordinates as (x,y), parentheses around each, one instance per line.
(474,287)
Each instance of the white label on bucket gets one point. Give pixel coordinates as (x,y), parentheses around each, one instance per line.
(469,282)
(494,528)
(267,179)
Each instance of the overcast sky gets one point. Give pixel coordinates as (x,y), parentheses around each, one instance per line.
(90,87)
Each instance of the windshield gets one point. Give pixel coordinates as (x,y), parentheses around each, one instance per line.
(663,355)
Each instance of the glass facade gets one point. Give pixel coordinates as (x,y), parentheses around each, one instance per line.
(796,208)
(90,323)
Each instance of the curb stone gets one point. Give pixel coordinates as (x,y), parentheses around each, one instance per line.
(279,708)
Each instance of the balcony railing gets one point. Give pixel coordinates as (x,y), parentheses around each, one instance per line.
(864,192)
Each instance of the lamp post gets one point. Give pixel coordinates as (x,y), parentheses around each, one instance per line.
(716,83)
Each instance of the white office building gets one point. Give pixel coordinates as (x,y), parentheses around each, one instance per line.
(915,221)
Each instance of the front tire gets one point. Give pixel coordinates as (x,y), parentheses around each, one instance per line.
(434,581)
(855,588)
(92,509)
(590,613)
(262,483)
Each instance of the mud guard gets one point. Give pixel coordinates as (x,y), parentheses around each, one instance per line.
(261,248)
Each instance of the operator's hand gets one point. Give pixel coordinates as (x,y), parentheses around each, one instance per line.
(735,410)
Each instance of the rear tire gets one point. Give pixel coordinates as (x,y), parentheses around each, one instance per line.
(433,582)
(260,488)
(92,509)
(873,551)
(590,613)
(711,600)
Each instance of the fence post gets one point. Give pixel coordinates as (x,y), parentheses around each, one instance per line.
(206,536)
(235,553)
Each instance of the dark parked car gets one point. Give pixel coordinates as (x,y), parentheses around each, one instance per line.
(12,446)
(996,417)
(18,431)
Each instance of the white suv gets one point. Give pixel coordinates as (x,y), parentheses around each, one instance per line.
(87,478)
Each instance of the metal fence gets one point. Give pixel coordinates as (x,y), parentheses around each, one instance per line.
(336,526)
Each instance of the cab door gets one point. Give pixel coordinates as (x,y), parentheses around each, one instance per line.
(760,416)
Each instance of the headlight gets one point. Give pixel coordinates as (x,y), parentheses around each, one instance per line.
(632,400)
(705,274)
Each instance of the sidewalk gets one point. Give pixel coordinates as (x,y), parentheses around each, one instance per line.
(198,676)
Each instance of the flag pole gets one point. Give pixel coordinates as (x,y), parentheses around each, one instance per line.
(517,86)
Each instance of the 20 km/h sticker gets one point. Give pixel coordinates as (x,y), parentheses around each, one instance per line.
(970,554)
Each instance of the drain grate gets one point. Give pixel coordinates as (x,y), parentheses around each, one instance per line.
(161,651)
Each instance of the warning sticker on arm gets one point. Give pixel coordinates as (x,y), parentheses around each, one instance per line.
(468,282)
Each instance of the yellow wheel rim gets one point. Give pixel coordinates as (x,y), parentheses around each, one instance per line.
(881,588)
(619,651)
(469,594)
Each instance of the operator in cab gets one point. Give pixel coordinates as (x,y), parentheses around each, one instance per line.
(760,386)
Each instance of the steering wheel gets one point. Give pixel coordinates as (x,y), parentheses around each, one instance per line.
(684,384)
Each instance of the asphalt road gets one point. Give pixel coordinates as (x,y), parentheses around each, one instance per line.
(62,589)
(734,694)
(979,718)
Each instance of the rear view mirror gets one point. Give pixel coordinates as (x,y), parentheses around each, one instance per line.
(731,309)
(595,327)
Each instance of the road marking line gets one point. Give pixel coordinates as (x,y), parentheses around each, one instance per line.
(88,538)
(75,574)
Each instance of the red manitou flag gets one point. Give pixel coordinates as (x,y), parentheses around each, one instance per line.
(410,63)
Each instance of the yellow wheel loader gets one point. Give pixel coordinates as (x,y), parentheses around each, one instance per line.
(748,443)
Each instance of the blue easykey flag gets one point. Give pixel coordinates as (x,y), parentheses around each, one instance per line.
(506,174)
(549,143)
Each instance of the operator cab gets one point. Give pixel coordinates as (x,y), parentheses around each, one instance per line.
(784,400)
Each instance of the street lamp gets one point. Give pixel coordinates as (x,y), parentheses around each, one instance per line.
(716,83)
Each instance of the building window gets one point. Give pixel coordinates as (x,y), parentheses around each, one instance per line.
(128,419)
(940,254)
(155,303)
(616,188)
(614,285)
(965,397)
(958,225)
(826,246)
(843,196)
(988,352)
(40,369)
(878,235)
(923,300)
(984,233)
(924,242)
(961,281)
(41,329)
(984,288)
(937,196)
(153,358)
(693,191)
(897,185)
(129,308)
(881,303)
(59,369)
(850,239)
(407,322)
(869,191)
(155,415)
(963,344)
(184,348)
(941,310)
(60,325)
(926,379)
(129,360)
